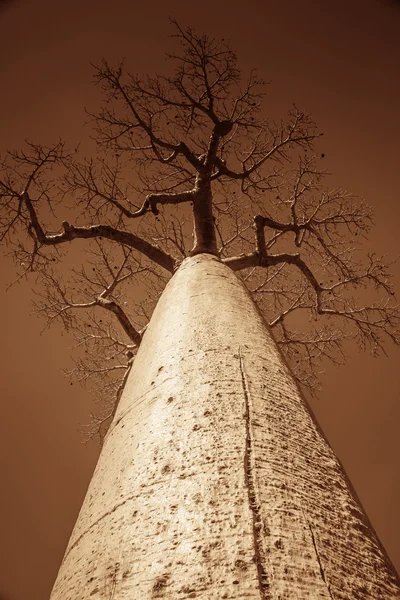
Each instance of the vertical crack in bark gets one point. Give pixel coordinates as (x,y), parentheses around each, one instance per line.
(251,483)
(113,582)
(321,568)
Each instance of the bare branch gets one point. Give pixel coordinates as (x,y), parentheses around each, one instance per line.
(187,162)
(98,231)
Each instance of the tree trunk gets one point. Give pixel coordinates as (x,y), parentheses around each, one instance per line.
(214,480)
(204,229)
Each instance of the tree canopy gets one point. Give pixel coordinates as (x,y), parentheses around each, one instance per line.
(183,163)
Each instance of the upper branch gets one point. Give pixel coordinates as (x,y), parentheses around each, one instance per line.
(162,198)
(278,141)
(111,77)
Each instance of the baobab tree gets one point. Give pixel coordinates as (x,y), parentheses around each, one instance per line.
(214,480)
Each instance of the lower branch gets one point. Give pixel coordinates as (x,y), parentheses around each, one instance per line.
(123,320)
(245,261)
(165,260)
(258,259)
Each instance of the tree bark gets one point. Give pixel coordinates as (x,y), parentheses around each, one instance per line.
(214,480)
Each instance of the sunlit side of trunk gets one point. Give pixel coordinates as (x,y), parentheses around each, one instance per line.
(214,480)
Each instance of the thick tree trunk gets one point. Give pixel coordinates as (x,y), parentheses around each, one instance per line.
(214,480)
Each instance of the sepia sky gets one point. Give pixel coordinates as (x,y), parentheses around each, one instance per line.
(338,59)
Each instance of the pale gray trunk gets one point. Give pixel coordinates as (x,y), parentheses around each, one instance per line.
(214,480)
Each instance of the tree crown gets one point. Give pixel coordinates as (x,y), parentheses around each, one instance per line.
(212,174)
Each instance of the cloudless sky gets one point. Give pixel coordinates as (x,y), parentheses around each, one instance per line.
(337,59)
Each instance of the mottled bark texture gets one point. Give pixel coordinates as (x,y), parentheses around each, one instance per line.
(214,480)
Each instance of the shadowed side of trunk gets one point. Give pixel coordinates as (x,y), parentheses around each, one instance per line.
(214,481)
